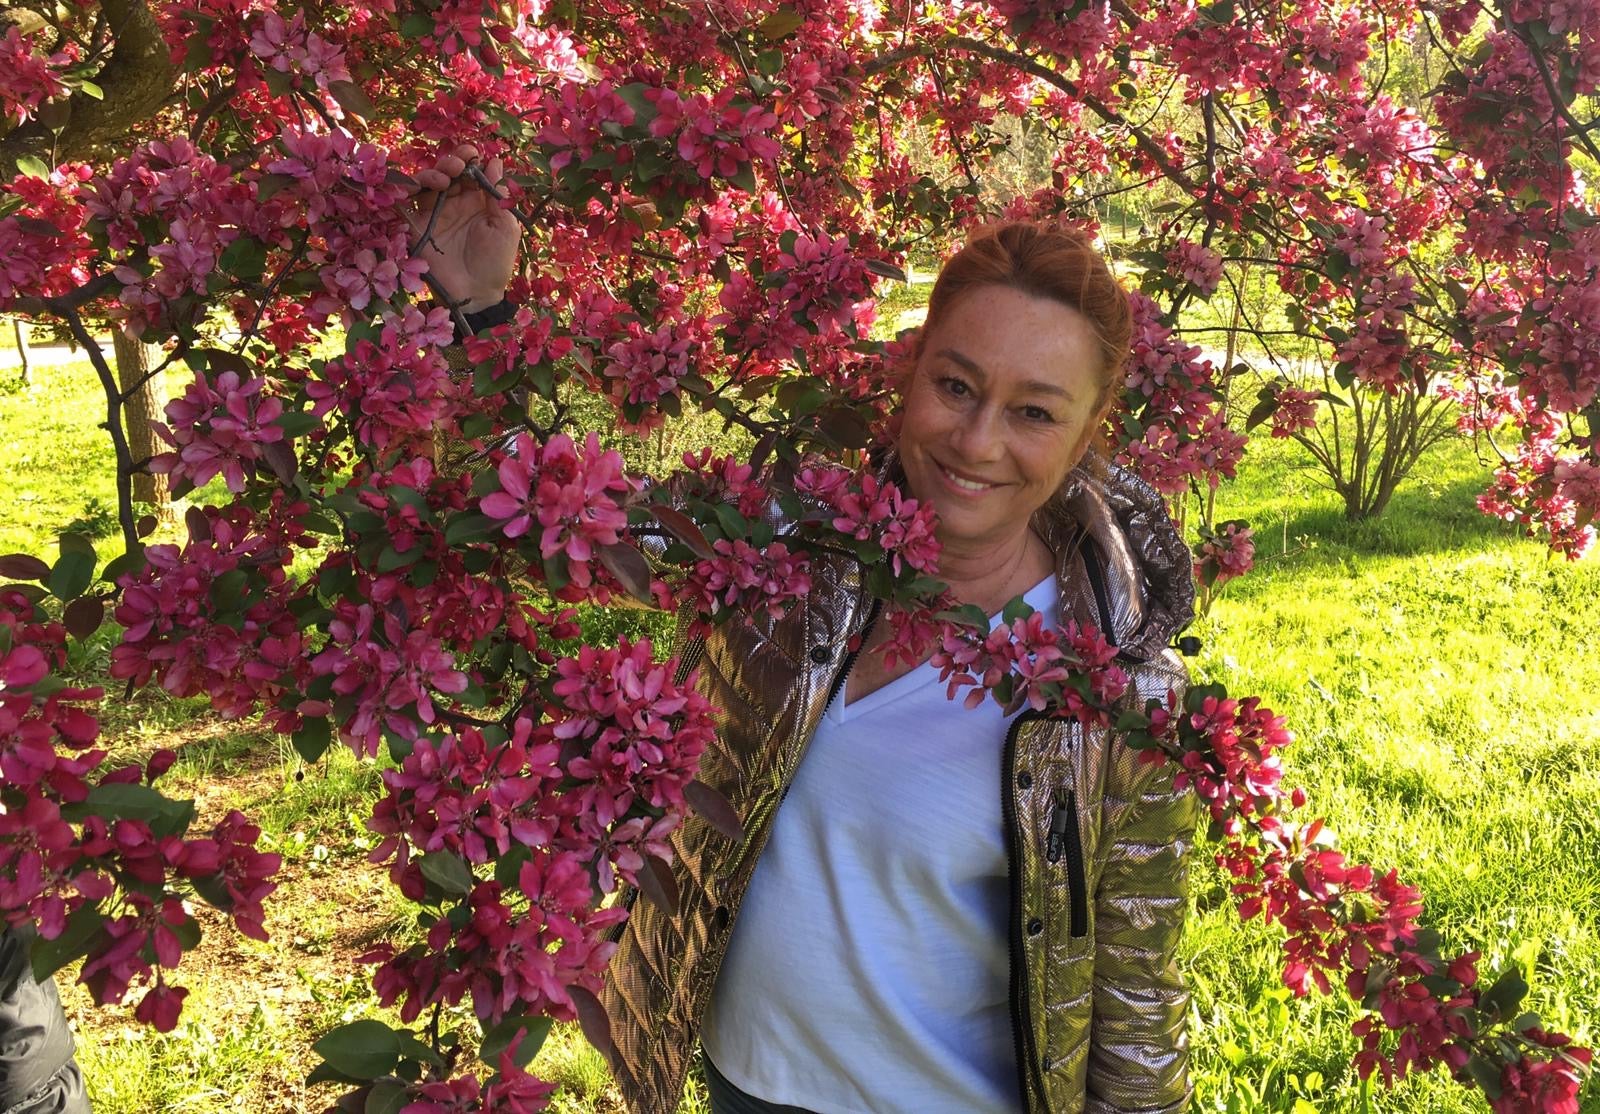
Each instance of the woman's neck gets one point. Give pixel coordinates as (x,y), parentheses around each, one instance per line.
(990,573)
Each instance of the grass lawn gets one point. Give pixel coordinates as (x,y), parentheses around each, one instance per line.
(1439,672)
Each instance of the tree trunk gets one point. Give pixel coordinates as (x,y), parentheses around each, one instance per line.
(21,346)
(141,407)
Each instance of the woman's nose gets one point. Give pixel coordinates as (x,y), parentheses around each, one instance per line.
(980,437)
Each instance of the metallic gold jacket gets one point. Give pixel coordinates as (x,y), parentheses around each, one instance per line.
(1098,843)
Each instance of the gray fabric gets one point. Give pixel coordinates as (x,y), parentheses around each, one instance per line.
(37,1072)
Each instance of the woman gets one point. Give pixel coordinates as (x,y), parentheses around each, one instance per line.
(952,911)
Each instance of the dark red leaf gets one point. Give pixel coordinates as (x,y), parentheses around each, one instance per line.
(716,810)
(763,449)
(220,359)
(280,458)
(83,616)
(656,882)
(146,525)
(353,99)
(682,527)
(593,1021)
(630,568)
(20,566)
(845,428)
(199,525)
(887,270)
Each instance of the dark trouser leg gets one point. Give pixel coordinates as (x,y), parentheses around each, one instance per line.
(728,1099)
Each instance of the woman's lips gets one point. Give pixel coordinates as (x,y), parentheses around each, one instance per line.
(965,484)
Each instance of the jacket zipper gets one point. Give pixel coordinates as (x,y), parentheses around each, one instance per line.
(1028,1076)
(1064,838)
(850,658)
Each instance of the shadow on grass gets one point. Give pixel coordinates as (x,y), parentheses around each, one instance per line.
(1421,519)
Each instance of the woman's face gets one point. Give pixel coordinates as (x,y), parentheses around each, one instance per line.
(999,409)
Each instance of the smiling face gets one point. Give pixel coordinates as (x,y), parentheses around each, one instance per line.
(1000,407)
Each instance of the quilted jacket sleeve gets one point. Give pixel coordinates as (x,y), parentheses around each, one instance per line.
(38,1074)
(1138,1043)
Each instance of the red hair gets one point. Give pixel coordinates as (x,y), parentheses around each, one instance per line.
(1048,261)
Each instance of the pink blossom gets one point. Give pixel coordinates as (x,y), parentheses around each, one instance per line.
(218,426)
(572,498)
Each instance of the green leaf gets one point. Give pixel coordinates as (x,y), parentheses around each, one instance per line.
(447,870)
(245,258)
(361,1050)
(781,23)
(391,559)
(1016,608)
(71,575)
(1486,1074)
(297,423)
(131,562)
(388,1096)
(33,167)
(227,590)
(499,1038)
(469,528)
(732,522)
(49,956)
(1502,999)
(90,89)
(413,1049)
(119,800)
(312,739)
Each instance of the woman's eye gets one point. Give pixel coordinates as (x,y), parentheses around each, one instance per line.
(956,386)
(1037,414)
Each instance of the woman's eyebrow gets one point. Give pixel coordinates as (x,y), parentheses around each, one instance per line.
(1037,386)
(955,357)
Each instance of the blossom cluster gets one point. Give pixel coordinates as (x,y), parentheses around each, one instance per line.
(94,848)
(572,499)
(1226,551)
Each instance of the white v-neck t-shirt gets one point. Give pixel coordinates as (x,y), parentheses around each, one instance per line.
(868,970)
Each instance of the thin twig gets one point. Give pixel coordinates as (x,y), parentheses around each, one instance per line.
(113,423)
(266,296)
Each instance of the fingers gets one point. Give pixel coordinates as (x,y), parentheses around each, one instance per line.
(435,180)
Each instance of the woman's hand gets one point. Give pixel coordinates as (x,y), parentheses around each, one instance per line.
(471,249)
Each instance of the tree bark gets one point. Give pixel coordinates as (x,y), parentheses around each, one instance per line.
(141,406)
(136,81)
(21,329)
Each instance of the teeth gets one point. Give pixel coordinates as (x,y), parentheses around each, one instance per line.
(964,485)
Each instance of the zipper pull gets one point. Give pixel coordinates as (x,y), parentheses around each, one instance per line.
(1059,819)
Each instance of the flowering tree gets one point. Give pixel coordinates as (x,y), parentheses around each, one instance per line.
(708,194)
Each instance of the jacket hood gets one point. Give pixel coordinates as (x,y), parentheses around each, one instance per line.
(1149,570)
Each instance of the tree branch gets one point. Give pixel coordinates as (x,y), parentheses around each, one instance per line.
(137,80)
